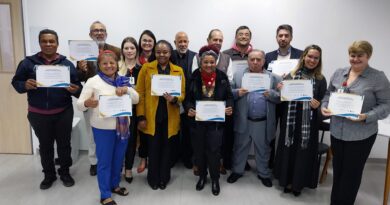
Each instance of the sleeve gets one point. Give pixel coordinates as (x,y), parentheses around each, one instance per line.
(133,95)
(234,89)
(75,80)
(195,63)
(330,89)
(183,87)
(274,95)
(190,96)
(86,93)
(229,95)
(20,77)
(229,71)
(382,94)
(140,88)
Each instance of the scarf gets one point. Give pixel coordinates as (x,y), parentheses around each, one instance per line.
(142,59)
(122,123)
(208,83)
(306,115)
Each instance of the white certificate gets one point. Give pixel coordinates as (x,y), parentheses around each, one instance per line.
(53,76)
(170,84)
(83,50)
(297,90)
(256,82)
(210,111)
(283,67)
(239,66)
(345,104)
(114,106)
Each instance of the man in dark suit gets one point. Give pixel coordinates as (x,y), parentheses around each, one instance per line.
(183,57)
(86,70)
(284,35)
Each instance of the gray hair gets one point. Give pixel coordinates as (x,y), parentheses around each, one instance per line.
(209,53)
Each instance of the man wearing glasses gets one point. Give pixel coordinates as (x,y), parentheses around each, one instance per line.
(86,70)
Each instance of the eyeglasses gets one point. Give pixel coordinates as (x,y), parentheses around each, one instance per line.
(98,30)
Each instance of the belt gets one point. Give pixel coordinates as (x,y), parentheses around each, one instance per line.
(257,119)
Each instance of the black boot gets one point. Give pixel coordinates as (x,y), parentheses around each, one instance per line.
(215,187)
(201,183)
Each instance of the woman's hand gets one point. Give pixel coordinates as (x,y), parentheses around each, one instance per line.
(314,103)
(191,112)
(229,111)
(141,125)
(121,90)
(360,118)
(91,102)
(169,97)
(326,112)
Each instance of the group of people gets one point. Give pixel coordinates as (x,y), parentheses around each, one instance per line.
(164,130)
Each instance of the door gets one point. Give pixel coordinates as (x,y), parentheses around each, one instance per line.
(15,134)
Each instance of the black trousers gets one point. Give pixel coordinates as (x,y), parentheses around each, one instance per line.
(132,145)
(207,141)
(349,158)
(182,143)
(227,142)
(143,149)
(159,167)
(49,129)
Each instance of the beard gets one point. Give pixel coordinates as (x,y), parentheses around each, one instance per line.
(100,43)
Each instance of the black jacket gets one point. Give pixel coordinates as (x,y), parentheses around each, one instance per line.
(222,90)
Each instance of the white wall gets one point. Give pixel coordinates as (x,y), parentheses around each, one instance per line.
(331,24)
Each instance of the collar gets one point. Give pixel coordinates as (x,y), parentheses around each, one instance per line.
(248,50)
(288,51)
(48,61)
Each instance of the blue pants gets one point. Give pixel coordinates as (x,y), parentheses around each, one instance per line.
(110,151)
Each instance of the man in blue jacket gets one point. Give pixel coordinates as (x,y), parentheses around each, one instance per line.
(50,110)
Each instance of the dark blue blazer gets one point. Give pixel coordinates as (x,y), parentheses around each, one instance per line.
(271,56)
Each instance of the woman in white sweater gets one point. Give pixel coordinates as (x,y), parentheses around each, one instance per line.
(111,134)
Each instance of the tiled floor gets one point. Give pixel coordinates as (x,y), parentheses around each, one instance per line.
(20,176)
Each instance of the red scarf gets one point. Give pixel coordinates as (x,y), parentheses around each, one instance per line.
(143,59)
(208,79)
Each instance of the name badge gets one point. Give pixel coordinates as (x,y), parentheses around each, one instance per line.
(132,80)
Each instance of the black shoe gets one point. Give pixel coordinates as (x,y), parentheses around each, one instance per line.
(129,179)
(296,193)
(287,190)
(201,182)
(266,181)
(162,185)
(247,166)
(154,187)
(233,177)
(67,180)
(93,170)
(215,187)
(47,182)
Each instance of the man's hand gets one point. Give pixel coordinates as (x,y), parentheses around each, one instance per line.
(82,65)
(30,84)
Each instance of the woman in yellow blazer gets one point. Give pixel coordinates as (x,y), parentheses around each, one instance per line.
(159,116)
